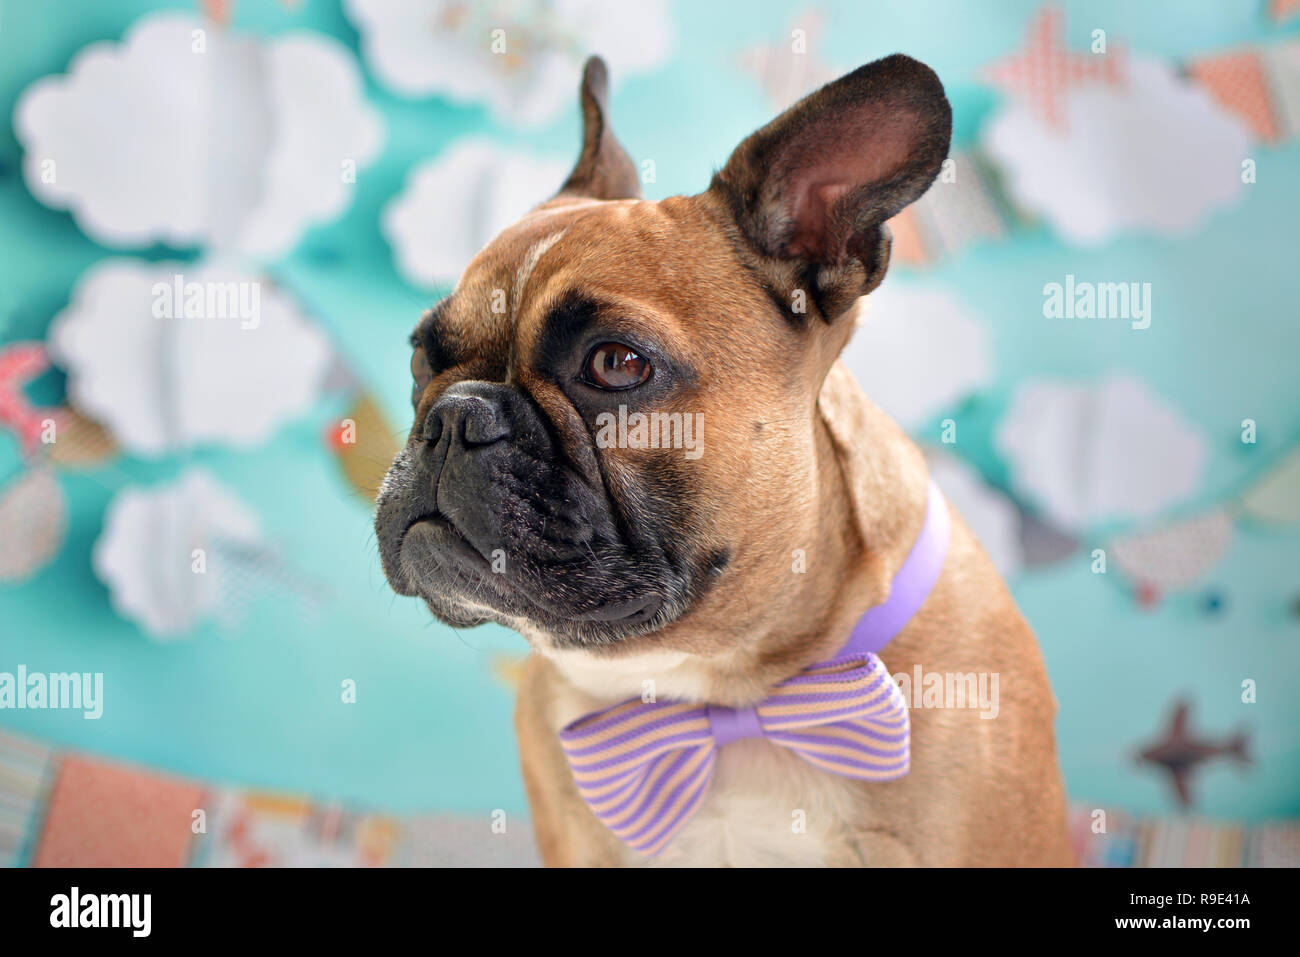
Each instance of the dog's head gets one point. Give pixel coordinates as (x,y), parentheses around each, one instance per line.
(614,409)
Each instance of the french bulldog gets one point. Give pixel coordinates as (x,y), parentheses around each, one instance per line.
(712,570)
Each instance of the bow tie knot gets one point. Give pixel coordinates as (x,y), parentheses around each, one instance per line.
(732,724)
(644,767)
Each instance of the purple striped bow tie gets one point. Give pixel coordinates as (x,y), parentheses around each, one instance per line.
(644,767)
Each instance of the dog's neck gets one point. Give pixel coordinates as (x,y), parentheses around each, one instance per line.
(871,503)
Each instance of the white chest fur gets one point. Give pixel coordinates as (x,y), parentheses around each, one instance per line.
(766,808)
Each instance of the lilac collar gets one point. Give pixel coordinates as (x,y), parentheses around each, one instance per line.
(911,586)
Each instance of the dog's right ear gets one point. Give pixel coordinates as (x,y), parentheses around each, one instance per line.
(604,170)
(811,191)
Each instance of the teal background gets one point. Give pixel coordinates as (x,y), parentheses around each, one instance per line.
(431,728)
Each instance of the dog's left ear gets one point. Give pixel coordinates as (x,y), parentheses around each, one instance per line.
(604,170)
(811,191)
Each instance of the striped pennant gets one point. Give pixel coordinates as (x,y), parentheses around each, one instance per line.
(644,768)
(25,771)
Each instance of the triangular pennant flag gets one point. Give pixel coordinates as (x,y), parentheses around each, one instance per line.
(958,212)
(33,523)
(365,445)
(109,815)
(790,68)
(1275,499)
(20,363)
(25,769)
(1237,82)
(79,441)
(250,571)
(909,247)
(1175,556)
(1282,64)
(1280,10)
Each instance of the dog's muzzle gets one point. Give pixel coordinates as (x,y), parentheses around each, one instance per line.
(483,517)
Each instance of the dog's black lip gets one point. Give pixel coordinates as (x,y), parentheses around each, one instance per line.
(442,521)
(630,611)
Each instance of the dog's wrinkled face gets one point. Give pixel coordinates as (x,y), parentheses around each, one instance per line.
(614,408)
(502,505)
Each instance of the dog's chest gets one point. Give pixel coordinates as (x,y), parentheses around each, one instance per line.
(766,807)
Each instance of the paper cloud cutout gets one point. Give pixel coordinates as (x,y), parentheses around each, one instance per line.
(164,384)
(524,60)
(197,137)
(453,205)
(1093,453)
(917,351)
(1154,155)
(146,554)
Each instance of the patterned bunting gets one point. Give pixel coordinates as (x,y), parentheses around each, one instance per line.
(1273,845)
(80,442)
(364,444)
(962,211)
(1281,10)
(1237,81)
(33,524)
(1176,556)
(1275,498)
(25,769)
(1179,841)
(101,813)
(105,815)
(908,243)
(959,209)
(1045,70)
(20,363)
(1282,64)
(1262,86)
(786,73)
(1190,842)
(252,829)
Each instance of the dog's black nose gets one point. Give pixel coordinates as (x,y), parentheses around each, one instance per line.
(476,413)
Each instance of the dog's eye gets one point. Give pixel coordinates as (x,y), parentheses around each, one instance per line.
(421,371)
(612,365)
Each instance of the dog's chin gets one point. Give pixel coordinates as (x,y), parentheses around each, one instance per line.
(463,589)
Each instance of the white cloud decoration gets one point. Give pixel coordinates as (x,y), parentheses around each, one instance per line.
(146,554)
(918,351)
(522,58)
(194,136)
(455,203)
(1090,453)
(1156,154)
(228,366)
